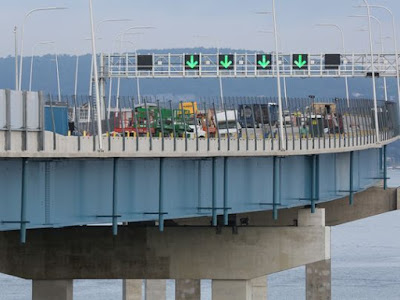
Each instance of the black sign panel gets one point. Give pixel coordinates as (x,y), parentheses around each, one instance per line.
(300,61)
(264,61)
(226,61)
(145,62)
(192,61)
(332,61)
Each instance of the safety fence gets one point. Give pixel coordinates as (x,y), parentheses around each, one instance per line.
(205,125)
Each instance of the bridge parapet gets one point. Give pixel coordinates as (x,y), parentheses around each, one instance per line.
(239,127)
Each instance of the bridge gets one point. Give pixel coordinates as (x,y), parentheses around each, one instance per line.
(188,188)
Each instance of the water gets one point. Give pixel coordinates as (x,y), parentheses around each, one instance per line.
(365,265)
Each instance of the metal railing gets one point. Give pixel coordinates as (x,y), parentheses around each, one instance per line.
(241,124)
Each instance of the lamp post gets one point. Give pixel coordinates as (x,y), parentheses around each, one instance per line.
(121,41)
(16,57)
(382,47)
(378,140)
(118,40)
(344,53)
(22,37)
(97,31)
(284,78)
(278,75)
(57,67)
(96,78)
(395,46)
(32,56)
(221,88)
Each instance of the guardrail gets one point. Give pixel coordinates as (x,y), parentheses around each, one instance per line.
(240,126)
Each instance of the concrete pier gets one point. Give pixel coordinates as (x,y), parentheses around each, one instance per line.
(231,289)
(254,289)
(318,280)
(187,289)
(318,274)
(155,289)
(132,289)
(259,288)
(52,289)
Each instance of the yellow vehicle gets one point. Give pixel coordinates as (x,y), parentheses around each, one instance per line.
(188,108)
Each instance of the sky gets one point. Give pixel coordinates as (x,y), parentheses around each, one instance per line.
(229,23)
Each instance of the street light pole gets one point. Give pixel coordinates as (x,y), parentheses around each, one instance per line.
(22,38)
(221,87)
(121,41)
(378,140)
(97,31)
(283,78)
(278,76)
(382,51)
(32,56)
(16,57)
(395,48)
(96,78)
(57,67)
(344,53)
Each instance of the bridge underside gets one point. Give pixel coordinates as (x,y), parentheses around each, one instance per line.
(242,252)
(40,193)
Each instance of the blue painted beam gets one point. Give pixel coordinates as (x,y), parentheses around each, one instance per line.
(115,197)
(226,180)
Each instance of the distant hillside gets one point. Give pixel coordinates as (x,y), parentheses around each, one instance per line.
(45,80)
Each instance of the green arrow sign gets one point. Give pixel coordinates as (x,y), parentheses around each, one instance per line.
(226,63)
(192,63)
(264,62)
(300,62)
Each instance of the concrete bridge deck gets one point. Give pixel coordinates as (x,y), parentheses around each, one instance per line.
(58,146)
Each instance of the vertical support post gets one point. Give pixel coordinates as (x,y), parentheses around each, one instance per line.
(384,168)
(53,123)
(313,182)
(41,121)
(23,202)
(214,192)
(24,121)
(160,197)
(115,199)
(351,196)
(275,190)
(8,120)
(226,191)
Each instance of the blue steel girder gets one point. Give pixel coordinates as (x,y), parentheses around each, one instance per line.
(68,192)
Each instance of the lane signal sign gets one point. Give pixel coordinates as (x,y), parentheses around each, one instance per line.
(332,61)
(145,62)
(192,61)
(264,61)
(300,61)
(226,61)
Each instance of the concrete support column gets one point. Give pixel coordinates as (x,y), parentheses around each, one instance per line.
(259,288)
(318,280)
(132,289)
(156,289)
(187,289)
(318,274)
(255,289)
(52,289)
(231,289)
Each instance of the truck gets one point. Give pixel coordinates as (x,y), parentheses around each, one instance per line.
(227,124)
(263,114)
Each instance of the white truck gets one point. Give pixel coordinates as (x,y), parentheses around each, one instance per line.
(228,124)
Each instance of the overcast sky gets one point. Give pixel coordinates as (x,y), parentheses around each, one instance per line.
(233,23)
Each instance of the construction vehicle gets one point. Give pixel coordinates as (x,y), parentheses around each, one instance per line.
(327,118)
